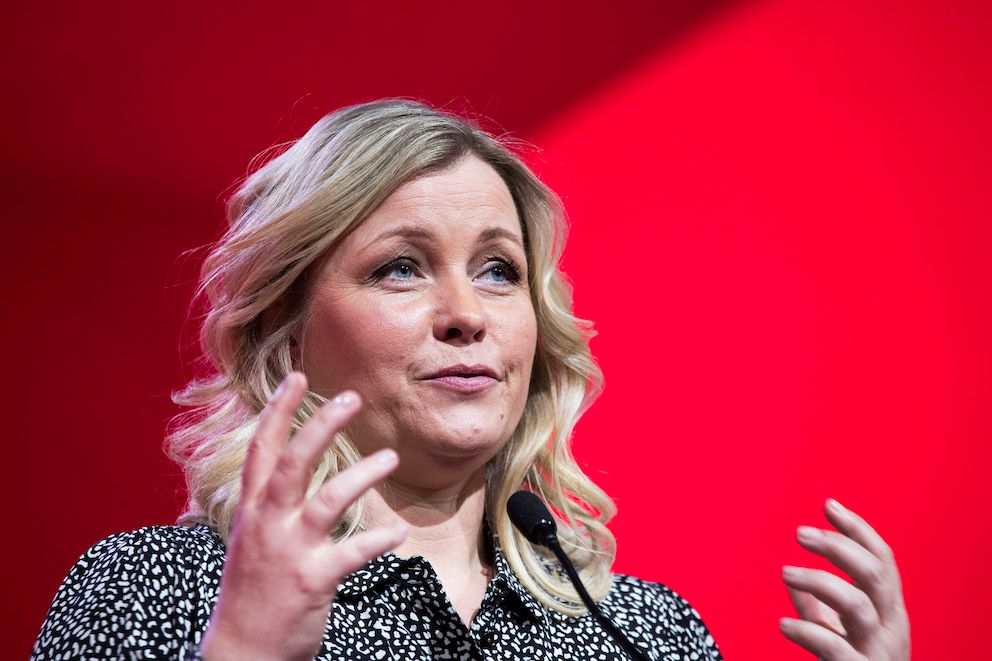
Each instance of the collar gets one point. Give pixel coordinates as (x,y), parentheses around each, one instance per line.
(388,569)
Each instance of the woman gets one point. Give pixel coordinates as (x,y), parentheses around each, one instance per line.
(395,355)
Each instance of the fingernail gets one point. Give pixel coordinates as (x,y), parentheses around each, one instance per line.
(281,388)
(345,399)
(808,533)
(790,572)
(385,457)
(835,506)
(784,623)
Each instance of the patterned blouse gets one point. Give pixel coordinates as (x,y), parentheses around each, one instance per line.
(147,594)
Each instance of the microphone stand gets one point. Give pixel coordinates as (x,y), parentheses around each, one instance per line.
(632,650)
(532,518)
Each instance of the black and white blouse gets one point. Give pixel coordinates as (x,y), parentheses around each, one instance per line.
(148,594)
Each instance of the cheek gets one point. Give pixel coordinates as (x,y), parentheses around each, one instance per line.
(521,343)
(350,343)
(529,330)
(521,350)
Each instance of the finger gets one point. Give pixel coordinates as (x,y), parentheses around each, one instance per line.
(325,508)
(892,611)
(824,643)
(855,609)
(857,528)
(294,469)
(270,435)
(879,580)
(812,609)
(355,552)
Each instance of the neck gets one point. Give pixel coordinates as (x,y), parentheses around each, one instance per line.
(445,522)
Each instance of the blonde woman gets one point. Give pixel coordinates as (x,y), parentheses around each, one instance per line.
(395,355)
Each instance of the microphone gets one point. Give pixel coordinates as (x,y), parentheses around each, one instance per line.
(530,516)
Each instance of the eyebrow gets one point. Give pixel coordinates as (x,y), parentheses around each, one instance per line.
(415,232)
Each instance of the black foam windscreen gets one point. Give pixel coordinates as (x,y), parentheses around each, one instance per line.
(531,517)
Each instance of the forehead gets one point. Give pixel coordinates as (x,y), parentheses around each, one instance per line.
(468,195)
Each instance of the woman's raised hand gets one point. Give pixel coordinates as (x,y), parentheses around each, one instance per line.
(866,621)
(282,570)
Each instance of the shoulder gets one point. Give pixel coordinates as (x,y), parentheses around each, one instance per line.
(166,542)
(154,561)
(660,614)
(635,595)
(127,590)
(153,553)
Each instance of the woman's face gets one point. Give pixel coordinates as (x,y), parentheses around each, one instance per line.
(424,310)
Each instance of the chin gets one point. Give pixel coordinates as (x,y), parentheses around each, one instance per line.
(472,440)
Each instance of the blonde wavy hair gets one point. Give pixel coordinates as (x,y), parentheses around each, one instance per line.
(282,218)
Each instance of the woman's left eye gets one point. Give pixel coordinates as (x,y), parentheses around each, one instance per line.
(502,271)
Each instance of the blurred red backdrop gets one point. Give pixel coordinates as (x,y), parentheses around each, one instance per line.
(782,228)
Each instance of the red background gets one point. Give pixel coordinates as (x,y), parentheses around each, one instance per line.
(782,228)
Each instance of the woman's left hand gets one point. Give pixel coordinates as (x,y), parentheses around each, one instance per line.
(866,621)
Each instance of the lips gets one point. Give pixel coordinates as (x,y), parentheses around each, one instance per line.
(464,371)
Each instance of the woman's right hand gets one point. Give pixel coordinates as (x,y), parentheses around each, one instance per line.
(282,570)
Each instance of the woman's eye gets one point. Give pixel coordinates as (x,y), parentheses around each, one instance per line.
(503,272)
(498,271)
(401,269)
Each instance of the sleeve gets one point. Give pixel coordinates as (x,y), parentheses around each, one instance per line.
(127,597)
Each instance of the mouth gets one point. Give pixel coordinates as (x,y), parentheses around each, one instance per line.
(464,378)
(464,372)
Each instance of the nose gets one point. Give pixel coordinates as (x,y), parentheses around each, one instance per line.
(460,317)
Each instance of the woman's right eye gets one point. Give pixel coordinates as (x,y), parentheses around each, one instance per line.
(400,269)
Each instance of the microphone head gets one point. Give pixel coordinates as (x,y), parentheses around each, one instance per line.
(531,517)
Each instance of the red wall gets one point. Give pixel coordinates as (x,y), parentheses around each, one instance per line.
(781,227)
